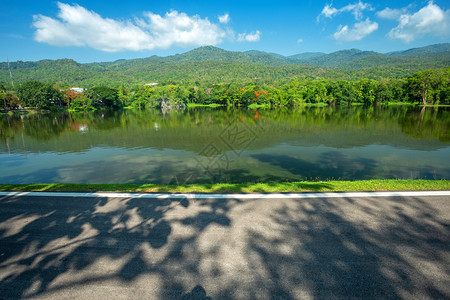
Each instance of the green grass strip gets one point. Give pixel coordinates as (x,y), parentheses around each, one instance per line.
(278,187)
(256,105)
(191,105)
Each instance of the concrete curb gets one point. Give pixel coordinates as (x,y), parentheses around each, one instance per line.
(231,196)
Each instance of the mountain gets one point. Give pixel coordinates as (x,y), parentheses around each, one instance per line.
(266,58)
(211,65)
(434,56)
(307,55)
(341,57)
(438,48)
(211,53)
(344,59)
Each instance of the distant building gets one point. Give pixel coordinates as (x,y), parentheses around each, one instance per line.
(77,89)
(151,83)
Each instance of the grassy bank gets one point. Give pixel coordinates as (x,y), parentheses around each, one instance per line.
(256,106)
(320,104)
(18,112)
(435,105)
(192,105)
(281,187)
(399,103)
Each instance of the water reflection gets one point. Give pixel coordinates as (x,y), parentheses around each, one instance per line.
(215,145)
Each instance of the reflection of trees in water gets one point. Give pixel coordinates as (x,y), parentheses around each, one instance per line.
(10,126)
(427,123)
(45,127)
(107,120)
(193,128)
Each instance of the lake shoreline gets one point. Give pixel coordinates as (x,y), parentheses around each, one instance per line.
(227,188)
(215,105)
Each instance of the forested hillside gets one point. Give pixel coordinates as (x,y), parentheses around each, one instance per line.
(206,65)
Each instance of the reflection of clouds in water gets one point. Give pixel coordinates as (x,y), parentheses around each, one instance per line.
(123,169)
(156,157)
(12,160)
(182,167)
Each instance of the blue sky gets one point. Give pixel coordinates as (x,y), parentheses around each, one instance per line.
(90,31)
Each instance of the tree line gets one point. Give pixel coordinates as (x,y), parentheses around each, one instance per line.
(429,87)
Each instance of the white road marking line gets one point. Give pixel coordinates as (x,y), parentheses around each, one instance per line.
(231,196)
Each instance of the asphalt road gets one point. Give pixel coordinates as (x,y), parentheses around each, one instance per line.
(135,248)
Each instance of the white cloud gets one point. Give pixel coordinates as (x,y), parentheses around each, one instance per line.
(77,26)
(329,11)
(391,14)
(356,9)
(251,37)
(224,19)
(357,32)
(430,20)
(300,41)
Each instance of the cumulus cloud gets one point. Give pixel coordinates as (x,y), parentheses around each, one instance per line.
(251,37)
(300,41)
(357,32)
(224,19)
(391,14)
(328,11)
(430,20)
(356,9)
(77,26)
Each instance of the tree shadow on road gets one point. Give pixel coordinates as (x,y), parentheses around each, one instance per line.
(320,251)
(262,248)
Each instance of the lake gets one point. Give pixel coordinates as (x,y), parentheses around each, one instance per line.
(219,145)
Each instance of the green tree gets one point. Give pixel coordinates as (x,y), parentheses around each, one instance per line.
(340,92)
(103,96)
(10,100)
(420,84)
(2,95)
(39,95)
(123,94)
(440,86)
(366,91)
(143,96)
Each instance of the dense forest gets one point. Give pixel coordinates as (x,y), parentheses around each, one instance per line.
(210,75)
(424,87)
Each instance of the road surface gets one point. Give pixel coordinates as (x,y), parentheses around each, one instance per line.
(180,247)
